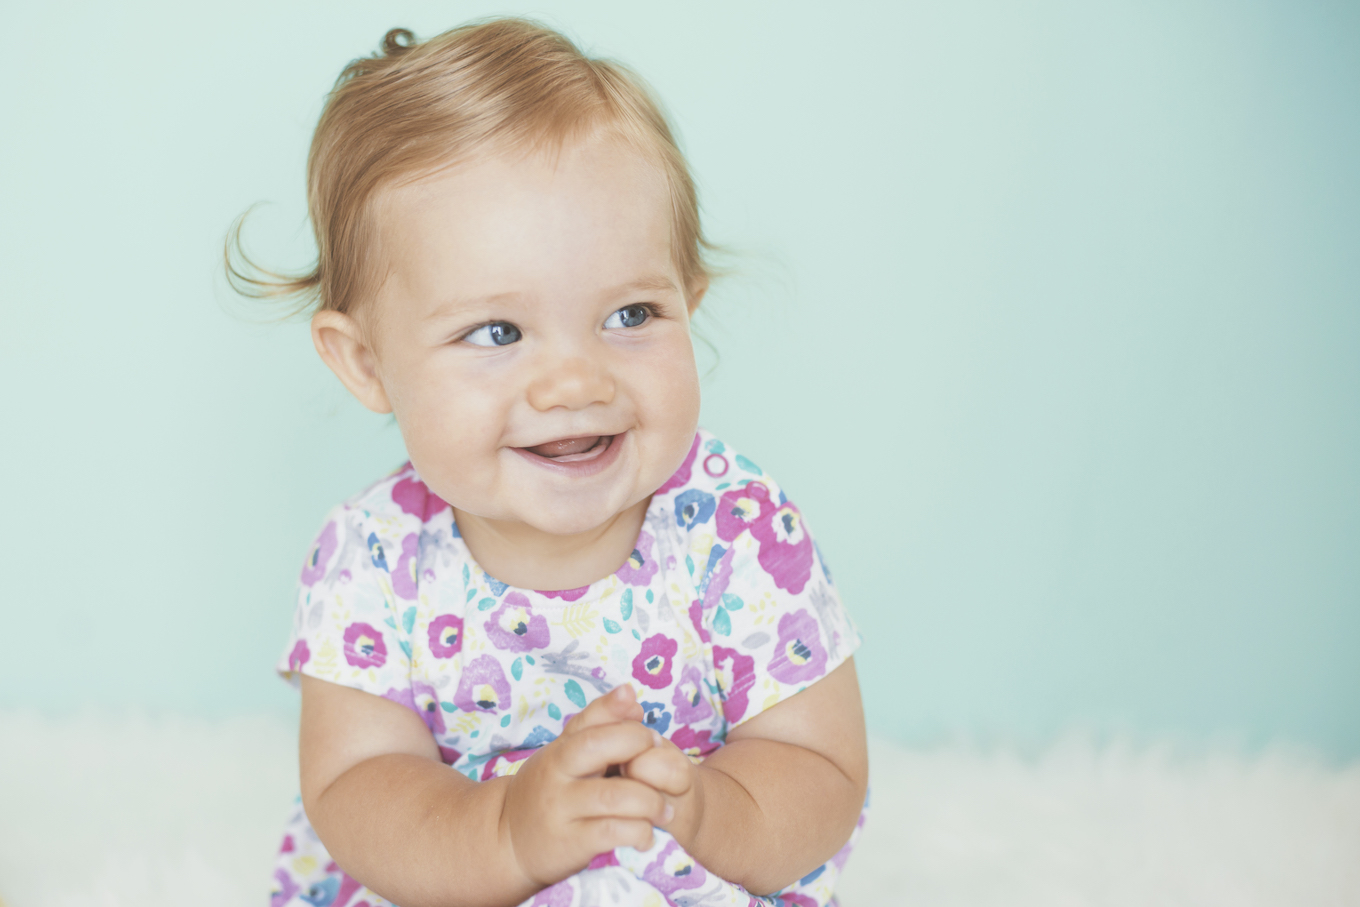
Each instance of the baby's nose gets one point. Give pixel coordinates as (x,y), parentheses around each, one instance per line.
(573,383)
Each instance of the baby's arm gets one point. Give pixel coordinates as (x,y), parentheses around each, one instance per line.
(418,833)
(781,797)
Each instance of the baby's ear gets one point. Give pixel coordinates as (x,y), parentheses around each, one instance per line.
(342,345)
(696,295)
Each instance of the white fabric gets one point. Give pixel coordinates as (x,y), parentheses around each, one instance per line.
(110,811)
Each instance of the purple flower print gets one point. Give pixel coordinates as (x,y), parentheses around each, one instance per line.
(364,646)
(422,699)
(691,705)
(601,860)
(640,567)
(719,580)
(798,656)
(682,474)
(413,497)
(785,547)
(448,754)
(483,687)
(694,743)
(514,626)
(673,870)
(736,676)
(693,507)
(299,656)
(446,636)
(652,666)
(558,895)
(404,581)
(656,716)
(322,549)
(284,888)
(797,900)
(567,595)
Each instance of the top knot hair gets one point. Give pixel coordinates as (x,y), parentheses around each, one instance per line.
(501,85)
(398,41)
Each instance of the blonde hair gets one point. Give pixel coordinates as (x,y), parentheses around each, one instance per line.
(413,108)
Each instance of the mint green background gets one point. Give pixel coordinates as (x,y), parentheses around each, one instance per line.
(1048,316)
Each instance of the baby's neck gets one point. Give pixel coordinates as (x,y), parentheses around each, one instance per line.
(528,558)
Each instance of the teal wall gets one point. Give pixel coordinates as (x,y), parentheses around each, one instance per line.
(1048,314)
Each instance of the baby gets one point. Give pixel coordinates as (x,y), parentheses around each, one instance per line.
(576,651)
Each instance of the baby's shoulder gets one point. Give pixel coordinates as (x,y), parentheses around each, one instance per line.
(709,488)
(398,500)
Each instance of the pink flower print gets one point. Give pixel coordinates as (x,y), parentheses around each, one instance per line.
(404,581)
(449,755)
(502,764)
(739,508)
(483,687)
(785,547)
(322,549)
(673,870)
(696,618)
(694,743)
(446,636)
(515,627)
(797,900)
(567,595)
(422,699)
(798,656)
(736,675)
(413,497)
(364,646)
(652,666)
(682,474)
(601,860)
(299,656)
(691,705)
(640,567)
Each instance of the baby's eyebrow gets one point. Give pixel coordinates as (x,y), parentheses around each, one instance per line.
(658,282)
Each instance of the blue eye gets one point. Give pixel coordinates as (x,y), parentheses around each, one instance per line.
(630,316)
(499,333)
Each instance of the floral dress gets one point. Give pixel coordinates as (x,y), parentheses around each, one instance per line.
(724,609)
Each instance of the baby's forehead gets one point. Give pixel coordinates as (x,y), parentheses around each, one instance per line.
(594,216)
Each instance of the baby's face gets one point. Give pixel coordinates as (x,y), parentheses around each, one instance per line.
(533,338)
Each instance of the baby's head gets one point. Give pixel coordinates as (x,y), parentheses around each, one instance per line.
(509,253)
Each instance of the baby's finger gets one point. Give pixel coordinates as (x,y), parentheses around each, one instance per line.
(603,835)
(618,797)
(664,768)
(619,704)
(594,749)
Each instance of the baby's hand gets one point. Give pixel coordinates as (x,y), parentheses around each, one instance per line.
(667,769)
(560,808)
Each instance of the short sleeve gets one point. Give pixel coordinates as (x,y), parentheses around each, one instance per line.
(774,617)
(346,627)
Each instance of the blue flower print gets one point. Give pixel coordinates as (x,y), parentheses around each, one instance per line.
(655,716)
(322,893)
(375,551)
(694,507)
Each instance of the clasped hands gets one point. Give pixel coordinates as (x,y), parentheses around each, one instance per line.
(567,804)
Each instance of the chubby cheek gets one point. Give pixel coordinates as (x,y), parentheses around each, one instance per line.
(668,410)
(451,424)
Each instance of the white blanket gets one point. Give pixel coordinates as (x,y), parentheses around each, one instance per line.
(180,811)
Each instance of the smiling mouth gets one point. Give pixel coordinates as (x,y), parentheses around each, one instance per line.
(572,450)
